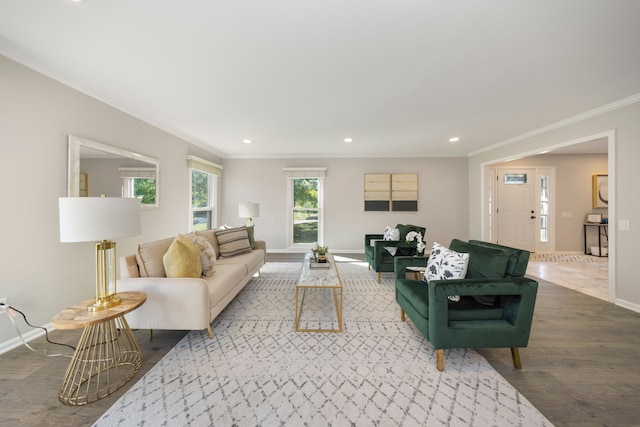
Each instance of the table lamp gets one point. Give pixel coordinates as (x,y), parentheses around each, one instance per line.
(100,219)
(249,211)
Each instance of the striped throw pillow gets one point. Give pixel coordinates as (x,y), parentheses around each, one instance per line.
(233,241)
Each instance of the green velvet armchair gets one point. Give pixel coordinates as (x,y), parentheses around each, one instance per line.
(496,300)
(379,259)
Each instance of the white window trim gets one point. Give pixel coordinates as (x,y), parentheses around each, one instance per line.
(311,172)
(215,171)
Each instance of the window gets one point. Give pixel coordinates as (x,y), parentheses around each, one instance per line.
(139,183)
(515,178)
(205,178)
(305,210)
(203,186)
(544,208)
(305,216)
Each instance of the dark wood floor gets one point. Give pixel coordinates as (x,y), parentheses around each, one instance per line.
(582,366)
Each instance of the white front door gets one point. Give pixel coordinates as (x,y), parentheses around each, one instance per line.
(516,208)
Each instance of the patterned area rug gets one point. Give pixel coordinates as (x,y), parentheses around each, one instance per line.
(257,371)
(566,258)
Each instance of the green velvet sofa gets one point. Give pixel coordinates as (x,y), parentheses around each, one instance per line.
(379,259)
(496,305)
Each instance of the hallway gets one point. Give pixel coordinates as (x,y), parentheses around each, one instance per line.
(583,273)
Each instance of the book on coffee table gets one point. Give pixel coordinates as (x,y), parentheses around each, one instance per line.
(318,264)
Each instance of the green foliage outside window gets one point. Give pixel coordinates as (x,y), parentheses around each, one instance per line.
(145,190)
(305,210)
(305,193)
(199,189)
(201,220)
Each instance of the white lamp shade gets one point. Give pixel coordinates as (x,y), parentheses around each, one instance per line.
(87,219)
(249,210)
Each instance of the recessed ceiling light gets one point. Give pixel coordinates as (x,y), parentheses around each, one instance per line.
(246,141)
(348,140)
(454,139)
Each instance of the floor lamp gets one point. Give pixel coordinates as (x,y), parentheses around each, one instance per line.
(100,219)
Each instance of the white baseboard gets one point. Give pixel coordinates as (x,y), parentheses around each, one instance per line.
(628,305)
(303,251)
(28,336)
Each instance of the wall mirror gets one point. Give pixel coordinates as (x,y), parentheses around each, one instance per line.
(96,169)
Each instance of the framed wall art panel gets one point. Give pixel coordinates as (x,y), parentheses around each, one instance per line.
(377,191)
(404,194)
(600,191)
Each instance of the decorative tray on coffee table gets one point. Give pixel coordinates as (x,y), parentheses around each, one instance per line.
(313,264)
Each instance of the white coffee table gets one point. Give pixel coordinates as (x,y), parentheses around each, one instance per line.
(319,278)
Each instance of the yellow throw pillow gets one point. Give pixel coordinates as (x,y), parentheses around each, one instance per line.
(182,259)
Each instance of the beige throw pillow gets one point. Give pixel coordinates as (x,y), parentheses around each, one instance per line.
(207,255)
(182,259)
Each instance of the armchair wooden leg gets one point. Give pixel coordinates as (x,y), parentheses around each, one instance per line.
(402,316)
(515,355)
(440,360)
(379,275)
(210,332)
(150,334)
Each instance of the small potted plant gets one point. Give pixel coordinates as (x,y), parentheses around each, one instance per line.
(322,253)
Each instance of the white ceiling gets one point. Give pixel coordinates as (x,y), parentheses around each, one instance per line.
(297,77)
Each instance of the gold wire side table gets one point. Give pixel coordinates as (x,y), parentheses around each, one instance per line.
(320,278)
(106,357)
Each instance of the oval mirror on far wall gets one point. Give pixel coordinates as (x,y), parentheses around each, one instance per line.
(96,169)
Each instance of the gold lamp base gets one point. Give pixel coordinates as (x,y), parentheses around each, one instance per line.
(106,296)
(104,303)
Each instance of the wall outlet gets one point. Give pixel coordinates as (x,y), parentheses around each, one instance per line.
(623,225)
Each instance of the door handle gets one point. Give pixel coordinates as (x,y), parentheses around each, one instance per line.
(533,217)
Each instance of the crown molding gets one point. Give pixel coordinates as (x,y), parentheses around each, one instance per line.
(575,119)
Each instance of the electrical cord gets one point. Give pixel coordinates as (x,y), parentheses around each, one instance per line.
(46,333)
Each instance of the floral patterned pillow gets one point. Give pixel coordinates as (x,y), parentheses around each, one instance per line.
(391,234)
(446,264)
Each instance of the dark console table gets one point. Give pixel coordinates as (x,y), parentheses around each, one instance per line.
(603,230)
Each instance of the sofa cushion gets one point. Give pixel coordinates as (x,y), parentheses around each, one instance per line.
(226,278)
(484,262)
(233,241)
(129,266)
(518,261)
(182,259)
(415,293)
(149,257)
(249,260)
(207,255)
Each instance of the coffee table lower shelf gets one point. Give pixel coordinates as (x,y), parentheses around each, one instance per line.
(337,299)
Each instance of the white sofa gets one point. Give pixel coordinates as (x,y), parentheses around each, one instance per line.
(185,303)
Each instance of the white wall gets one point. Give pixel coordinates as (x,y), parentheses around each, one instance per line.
(442,201)
(38,274)
(625,121)
(573,194)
